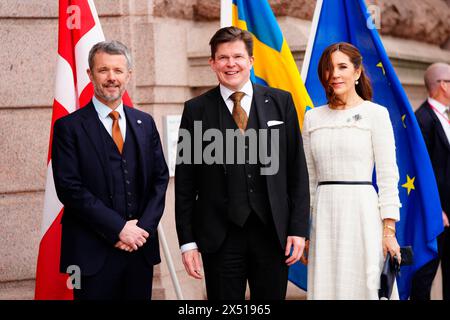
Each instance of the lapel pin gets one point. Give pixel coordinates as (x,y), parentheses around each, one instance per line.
(139,122)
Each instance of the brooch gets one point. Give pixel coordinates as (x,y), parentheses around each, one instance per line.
(355,118)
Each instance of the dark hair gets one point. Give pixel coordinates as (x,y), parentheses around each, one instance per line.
(113,47)
(230,34)
(363,88)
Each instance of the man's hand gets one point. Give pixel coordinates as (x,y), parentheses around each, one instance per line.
(445,219)
(298,245)
(122,246)
(132,235)
(192,263)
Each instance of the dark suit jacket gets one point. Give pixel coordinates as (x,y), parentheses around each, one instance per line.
(83,181)
(200,189)
(439,150)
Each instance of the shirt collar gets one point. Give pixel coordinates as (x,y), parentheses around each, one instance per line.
(247,89)
(441,107)
(104,111)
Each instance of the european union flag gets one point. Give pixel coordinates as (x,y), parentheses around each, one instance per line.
(421,214)
(274,64)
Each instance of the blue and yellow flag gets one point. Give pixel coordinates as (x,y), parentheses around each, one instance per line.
(274,64)
(421,214)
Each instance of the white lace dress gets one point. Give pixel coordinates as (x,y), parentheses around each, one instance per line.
(346,255)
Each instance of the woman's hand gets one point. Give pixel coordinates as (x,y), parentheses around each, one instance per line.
(390,243)
(304,258)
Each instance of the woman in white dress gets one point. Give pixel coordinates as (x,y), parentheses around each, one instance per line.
(352,226)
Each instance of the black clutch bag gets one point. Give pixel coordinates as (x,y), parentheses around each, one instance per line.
(391,268)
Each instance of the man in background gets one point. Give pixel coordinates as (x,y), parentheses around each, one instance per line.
(434,121)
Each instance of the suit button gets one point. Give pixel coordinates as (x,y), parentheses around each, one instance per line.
(129,193)
(125,171)
(110,196)
(249,176)
(127,182)
(251,190)
(129,204)
(130,215)
(124,161)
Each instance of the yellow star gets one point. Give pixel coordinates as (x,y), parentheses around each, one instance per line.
(380,65)
(409,184)
(403,120)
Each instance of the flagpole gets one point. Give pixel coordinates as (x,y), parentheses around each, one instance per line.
(167,255)
(312,37)
(226,15)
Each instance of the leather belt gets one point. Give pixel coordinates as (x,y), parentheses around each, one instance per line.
(321,183)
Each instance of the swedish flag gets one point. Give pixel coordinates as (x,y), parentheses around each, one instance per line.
(274,64)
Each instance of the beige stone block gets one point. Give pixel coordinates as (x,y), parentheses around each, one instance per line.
(140,7)
(21,216)
(17,290)
(170,52)
(143,95)
(416,51)
(28,56)
(162,94)
(28,9)
(295,32)
(416,95)
(143,54)
(25,136)
(111,7)
(170,94)
(198,37)
(202,76)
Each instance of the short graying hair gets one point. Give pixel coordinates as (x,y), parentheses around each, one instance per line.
(113,47)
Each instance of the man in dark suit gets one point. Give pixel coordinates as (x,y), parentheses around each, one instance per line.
(111,176)
(246,213)
(434,121)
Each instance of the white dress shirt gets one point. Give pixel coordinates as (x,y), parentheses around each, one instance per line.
(246,103)
(103,112)
(442,117)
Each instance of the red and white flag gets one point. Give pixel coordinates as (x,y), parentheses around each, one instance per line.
(79,30)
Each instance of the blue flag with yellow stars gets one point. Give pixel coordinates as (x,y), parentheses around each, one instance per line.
(421,214)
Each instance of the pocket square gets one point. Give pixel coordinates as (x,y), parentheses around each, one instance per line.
(272,123)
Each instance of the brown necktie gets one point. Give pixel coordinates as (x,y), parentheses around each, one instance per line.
(239,114)
(116,134)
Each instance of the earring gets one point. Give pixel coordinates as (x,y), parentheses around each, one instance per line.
(356,82)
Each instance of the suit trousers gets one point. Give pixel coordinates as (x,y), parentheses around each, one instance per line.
(423,278)
(250,253)
(125,276)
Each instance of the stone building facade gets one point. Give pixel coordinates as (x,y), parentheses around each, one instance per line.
(169,42)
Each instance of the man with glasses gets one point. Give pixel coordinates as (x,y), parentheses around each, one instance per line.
(434,121)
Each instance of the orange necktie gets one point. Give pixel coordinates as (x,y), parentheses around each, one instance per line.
(116,134)
(239,114)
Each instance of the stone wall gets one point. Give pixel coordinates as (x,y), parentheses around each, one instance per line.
(169,42)
(422,20)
